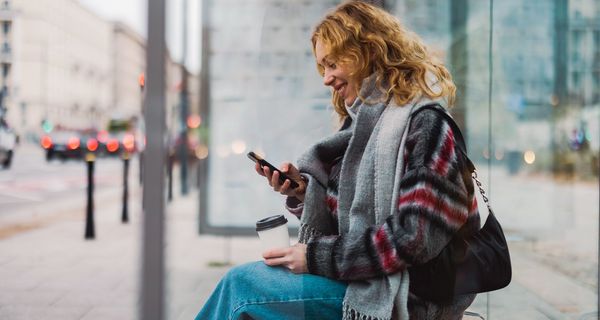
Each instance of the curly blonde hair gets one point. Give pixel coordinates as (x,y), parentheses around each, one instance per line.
(373,41)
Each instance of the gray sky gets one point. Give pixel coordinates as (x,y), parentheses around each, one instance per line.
(134,13)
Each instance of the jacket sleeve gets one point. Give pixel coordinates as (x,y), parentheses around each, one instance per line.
(435,200)
(294,206)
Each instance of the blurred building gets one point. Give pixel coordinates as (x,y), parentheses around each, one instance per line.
(545,75)
(524,77)
(6,19)
(430,19)
(61,64)
(584,52)
(128,64)
(576,148)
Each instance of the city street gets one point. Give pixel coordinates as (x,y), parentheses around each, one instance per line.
(33,189)
(208,81)
(48,270)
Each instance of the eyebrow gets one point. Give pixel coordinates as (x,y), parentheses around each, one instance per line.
(323,60)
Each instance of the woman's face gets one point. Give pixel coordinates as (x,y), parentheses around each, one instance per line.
(336,75)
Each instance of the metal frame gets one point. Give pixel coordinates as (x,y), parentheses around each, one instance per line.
(152,278)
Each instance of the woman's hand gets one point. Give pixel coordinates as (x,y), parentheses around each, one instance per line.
(284,189)
(293,258)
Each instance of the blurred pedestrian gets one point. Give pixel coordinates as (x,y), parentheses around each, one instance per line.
(384,193)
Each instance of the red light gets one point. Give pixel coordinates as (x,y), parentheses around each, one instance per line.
(129,142)
(73,143)
(112,145)
(92,144)
(103,136)
(46,142)
(194,121)
(142,80)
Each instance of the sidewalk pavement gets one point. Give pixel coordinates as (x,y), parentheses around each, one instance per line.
(51,272)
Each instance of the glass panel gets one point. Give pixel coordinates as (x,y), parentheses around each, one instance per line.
(265,96)
(533,134)
(539,158)
(69,185)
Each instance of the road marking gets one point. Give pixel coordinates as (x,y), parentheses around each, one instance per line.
(20,197)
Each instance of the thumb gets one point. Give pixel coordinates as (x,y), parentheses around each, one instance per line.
(290,169)
(285,167)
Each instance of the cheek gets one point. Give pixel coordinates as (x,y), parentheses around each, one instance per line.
(355,86)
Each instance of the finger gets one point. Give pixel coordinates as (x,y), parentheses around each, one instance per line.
(275,180)
(267,172)
(274,253)
(258,169)
(276,261)
(285,186)
(292,172)
(293,169)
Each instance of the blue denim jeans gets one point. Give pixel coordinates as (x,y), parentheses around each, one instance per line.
(257,291)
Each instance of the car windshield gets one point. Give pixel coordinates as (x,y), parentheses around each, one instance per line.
(118,125)
(63,136)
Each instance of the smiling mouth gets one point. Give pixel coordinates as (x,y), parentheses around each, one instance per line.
(340,88)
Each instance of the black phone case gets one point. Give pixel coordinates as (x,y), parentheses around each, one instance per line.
(282,176)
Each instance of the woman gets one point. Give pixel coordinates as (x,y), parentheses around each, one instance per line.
(386,192)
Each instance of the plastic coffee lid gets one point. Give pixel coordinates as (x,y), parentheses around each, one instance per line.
(270,222)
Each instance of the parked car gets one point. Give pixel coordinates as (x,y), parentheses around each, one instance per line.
(8,142)
(116,143)
(119,138)
(66,144)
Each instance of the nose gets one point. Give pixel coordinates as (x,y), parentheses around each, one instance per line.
(328,78)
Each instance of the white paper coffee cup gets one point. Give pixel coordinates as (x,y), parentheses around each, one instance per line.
(273,232)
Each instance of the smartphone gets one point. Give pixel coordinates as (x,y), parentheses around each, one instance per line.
(262,162)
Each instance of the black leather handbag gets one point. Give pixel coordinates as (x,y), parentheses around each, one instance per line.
(468,264)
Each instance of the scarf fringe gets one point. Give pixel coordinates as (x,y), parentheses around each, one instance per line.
(306,232)
(352,314)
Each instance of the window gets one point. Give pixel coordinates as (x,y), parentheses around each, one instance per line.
(575,57)
(5,47)
(576,78)
(5,70)
(577,36)
(596,84)
(6,27)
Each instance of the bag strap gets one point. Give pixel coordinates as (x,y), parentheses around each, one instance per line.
(455,129)
(461,145)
